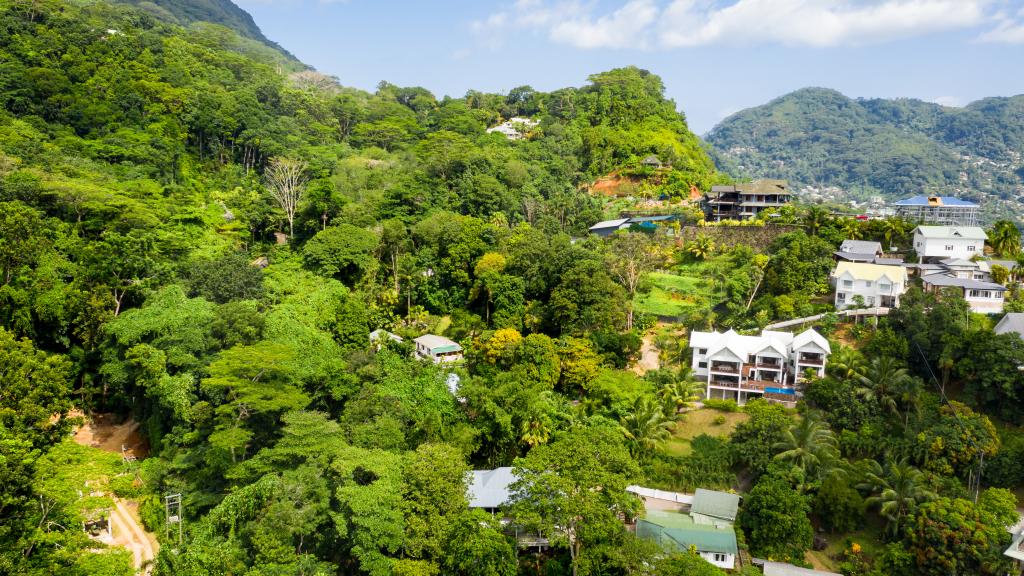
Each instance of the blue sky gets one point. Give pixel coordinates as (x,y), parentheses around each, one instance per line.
(715,56)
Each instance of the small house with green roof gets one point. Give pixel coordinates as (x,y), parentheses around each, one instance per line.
(715,542)
(438,348)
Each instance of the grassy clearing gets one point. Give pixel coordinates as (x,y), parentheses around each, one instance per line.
(676,294)
(699,422)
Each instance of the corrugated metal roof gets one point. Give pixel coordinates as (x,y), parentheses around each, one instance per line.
(945,201)
(609,224)
(489,488)
(966,283)
(1013,322)
(873,272)
(860,247)
(968,232)
(437,343)
(680,531)
(715,504)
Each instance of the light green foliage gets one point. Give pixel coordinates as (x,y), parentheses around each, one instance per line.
(342,251)
(953,535)
(571,489)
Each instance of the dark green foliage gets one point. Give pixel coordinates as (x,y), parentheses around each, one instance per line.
(227,278)
(755,439)
(956,536)
(838,505)
(774,519)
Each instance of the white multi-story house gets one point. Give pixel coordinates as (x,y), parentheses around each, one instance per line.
(739,367)
(981,296)
(877,284)
(944,242)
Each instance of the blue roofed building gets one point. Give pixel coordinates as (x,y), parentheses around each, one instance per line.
(938,210)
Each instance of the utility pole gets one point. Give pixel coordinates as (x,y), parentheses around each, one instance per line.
(173,515)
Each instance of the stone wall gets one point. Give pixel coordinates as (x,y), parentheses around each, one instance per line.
(758,237)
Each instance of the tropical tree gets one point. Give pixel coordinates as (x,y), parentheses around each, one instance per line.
(808,444)
(701,247)
(847,363)
(286,179)
(893,229)
(677,395)
(853,229)
(882,381)
(646,427)
(896,490)
(1004,238)
(815,218)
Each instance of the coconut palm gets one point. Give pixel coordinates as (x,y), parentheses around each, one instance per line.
(815,218)
(847,364)
(701,247)
(882,381)
(893,229)
(853,229)
(809,444)
(646,427)
(896,490)
(678,395)
(1004,238)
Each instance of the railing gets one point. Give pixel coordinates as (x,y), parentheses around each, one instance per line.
(731,369)
(812,361)
(773,366)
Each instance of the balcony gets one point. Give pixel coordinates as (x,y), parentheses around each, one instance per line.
(819,361)
(769,365)
(727,368)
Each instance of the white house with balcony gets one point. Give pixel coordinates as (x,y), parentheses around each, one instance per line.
(981,296)
(877,284)
(740,367)
(944,242)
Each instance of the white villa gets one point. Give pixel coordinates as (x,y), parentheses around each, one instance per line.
(981,296)
(878,284)
(438,348)
(514,128)
(943,242)
(738,367)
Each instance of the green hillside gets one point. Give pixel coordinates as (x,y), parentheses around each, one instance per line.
(894,148)
(222,12)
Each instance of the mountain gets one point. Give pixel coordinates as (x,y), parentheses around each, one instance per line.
(223,12)
(846,149)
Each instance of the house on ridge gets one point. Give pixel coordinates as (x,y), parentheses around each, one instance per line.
(438,349)
(878,284)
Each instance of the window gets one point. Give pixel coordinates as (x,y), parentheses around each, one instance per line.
(702,351)
(867,283)
(884,287)
(970,248)
(720,557)
(841,297)
(847,283)
(702,364)
(949,247)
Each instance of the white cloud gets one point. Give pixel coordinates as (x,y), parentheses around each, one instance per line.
(951,101)
(682,23)
(818,23)
(626,27)
(1008,29)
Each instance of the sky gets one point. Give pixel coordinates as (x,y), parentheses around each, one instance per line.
(716,57)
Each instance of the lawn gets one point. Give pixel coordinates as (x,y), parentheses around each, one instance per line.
(701,421)
(675,294)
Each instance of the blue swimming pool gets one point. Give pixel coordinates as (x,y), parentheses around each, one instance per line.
(790,391)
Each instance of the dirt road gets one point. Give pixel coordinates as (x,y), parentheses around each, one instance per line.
(649,359)
(104,432)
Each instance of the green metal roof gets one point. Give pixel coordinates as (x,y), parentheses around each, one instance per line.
(447,348)
(679,531)
(715,504)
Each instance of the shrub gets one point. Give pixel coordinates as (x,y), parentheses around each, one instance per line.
(719,420)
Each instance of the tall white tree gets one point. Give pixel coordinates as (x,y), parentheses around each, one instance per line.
(286,179)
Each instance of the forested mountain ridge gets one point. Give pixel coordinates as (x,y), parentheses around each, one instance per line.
(137,187)
(223,12)
(894,148)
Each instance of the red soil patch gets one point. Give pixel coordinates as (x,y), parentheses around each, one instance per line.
(108,433)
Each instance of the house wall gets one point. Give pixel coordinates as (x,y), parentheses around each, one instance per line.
(947,247)
(991,305)
(871,290)
(728,563)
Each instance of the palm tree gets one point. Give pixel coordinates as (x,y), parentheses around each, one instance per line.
(847,364)
(893,229)
(896,491)
(909,392)
(678,395)
(701,247)
(853,229)
(815,218)
(809,444)
(646,427)
(882,382)
(1004,237)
